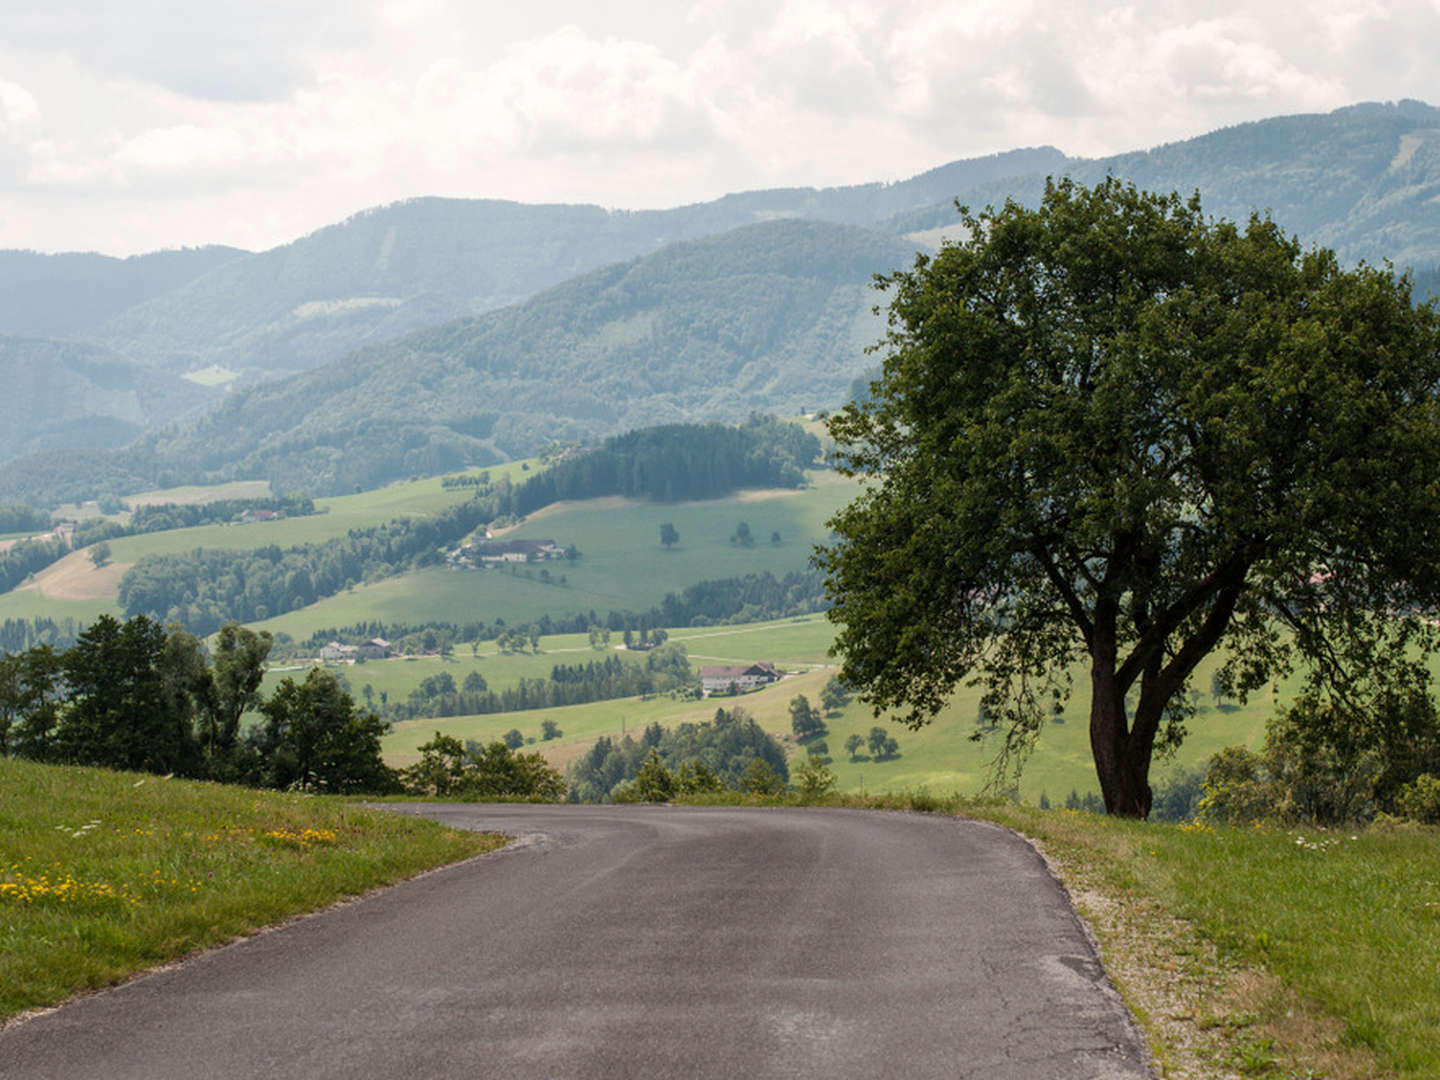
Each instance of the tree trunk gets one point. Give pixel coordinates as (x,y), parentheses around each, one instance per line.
(1122,767)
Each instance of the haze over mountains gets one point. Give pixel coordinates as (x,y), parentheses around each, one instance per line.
(439,332)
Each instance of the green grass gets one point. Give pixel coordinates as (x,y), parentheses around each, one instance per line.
(940,757)
(1346,920)
(792,643)
(623,566)
(33,604)
(103,874)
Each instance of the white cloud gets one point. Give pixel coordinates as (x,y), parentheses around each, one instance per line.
(250,121)
(18,108)
(19,118)
(224,50)
(569,92)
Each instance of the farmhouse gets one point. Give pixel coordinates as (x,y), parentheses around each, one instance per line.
(722,678)
(374,649)
(498,551)
(250,517)
(335,651)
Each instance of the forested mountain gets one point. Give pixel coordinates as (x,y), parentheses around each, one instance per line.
(68,296)
(1363,180)
(68,394)
(425,261)
(772,317)
(615,319)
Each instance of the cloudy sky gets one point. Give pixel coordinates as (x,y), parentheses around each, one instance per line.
(160,123)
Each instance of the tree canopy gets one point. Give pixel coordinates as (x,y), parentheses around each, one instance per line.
(1112,429)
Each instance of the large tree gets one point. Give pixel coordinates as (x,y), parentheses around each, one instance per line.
(315,739)
(121,712)
(237,668)
(1110,428)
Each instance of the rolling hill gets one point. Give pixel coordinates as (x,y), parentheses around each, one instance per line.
(1363,180)
(771,317)
(70,295)
(69,394)
(1358,179)
(393,269)
(438,332)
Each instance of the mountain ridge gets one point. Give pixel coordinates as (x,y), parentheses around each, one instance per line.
(426,274)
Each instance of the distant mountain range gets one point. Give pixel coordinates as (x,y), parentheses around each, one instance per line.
(1364,180)
(62,394)
(435,332)
(767,317)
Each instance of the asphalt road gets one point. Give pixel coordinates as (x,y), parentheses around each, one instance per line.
(642,942)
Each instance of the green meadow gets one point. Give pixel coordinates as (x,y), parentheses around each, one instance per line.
(940,758)
(26,603)
(66,589)
(334,517)
(103,874)
(622,565)
(797,643)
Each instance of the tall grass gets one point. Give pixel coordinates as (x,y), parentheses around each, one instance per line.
(103,874)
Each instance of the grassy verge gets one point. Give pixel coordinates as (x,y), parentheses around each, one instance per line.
(104,874)
(1259,952)
(1253,952)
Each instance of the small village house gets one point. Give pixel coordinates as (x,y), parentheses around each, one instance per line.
(723,678)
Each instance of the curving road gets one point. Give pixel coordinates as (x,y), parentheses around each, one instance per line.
(638,942)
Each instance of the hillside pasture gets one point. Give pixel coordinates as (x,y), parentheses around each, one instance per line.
(582,725)
(940,757)
(198,494)
(77,578)
(622,566)
(798,644)
(87,597)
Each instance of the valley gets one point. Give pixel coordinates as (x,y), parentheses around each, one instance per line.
(458,338)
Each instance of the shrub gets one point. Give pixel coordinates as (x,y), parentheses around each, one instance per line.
(1420,800)
(813,778)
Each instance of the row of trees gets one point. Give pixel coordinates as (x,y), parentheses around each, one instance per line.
(449,769)
(159,517)
(142,697)
(17,635)
(19,518)
(751,598)
(664,670)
